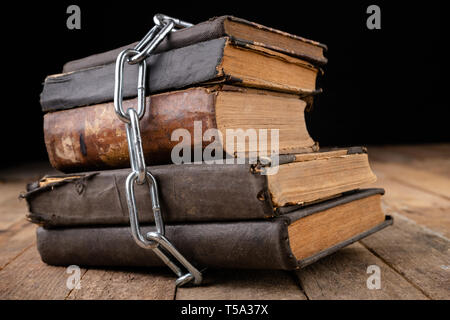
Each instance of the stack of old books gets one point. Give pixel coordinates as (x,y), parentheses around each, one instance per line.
(212,84)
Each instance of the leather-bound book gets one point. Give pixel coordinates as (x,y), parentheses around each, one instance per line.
(221,60)
(93,137)
(240,30)
(200,192)
(289,241)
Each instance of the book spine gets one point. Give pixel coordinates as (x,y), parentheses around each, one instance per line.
(188,193)
(256,245)
(169,70)
(93,137)
(308,50)
(200,32)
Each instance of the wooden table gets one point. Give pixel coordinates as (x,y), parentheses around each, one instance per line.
(413,255)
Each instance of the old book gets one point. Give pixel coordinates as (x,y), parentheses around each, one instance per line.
(93,137)
(199,192)
(288,242)
(236,28)
(214,61)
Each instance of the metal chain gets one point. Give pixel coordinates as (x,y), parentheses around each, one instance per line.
(156,241)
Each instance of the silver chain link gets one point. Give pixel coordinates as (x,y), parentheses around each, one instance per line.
(156,241)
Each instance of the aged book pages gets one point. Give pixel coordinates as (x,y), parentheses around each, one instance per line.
(215,61)
(198,192)
(93,137)
(325,229)
(233,27)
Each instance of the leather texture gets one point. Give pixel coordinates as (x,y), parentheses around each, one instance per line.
(203,63)
(257,244)
(260,244)
(204,31)
(94,138)
(190,192)
(169,70)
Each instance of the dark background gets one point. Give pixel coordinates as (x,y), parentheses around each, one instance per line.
(380,86)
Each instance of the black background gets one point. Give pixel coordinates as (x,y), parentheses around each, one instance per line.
(380,86)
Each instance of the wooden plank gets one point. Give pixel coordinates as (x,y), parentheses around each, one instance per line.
(12,209)
(423,180)
(421,256)
(27,277)
(415,153)
(343,275)
(143,284)
(420,157)
(244,285)
(16,234)
(15,241)
(426,209)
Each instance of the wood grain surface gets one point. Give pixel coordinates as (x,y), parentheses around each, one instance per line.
(413,255)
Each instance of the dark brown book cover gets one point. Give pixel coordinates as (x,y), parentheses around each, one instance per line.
(220,60)
(93,137)
(233,27)
(197,192)
(263,244)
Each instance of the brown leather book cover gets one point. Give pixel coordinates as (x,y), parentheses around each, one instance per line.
(233,27)
(263,244)
(93,137)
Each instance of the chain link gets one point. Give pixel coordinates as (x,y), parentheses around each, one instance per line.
(118,85)
(148,45)
(156,241)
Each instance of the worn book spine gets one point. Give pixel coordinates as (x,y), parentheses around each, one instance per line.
(246,244)
(214,28)
(223,245)
(188,193)
(94,138)
(169,70)
(198,64)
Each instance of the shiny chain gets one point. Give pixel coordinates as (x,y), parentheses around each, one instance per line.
(156,241)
